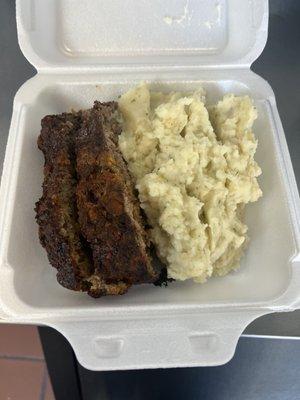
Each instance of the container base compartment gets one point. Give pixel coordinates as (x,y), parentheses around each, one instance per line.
(28,285)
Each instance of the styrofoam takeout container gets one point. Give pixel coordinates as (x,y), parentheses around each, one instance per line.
(94,49)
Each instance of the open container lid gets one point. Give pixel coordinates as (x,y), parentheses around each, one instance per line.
(96,34)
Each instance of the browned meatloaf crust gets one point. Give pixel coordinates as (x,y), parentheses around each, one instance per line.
(109,214)
(89,218)
(56,210)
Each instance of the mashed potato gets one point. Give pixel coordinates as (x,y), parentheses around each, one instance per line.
(194,171)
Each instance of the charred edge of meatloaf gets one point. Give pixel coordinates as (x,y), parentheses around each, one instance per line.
(108,211)
(162,278)
(112,129)
(56,211)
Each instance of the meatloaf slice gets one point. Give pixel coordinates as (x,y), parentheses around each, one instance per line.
(108,210)
(56,212)
(89,217)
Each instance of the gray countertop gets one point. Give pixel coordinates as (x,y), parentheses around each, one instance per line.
(279,64)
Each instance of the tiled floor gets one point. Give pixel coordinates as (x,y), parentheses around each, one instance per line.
(23,372)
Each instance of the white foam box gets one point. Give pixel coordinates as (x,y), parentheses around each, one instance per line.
(97,49)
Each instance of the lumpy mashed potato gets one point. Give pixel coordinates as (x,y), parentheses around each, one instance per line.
(194,171)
